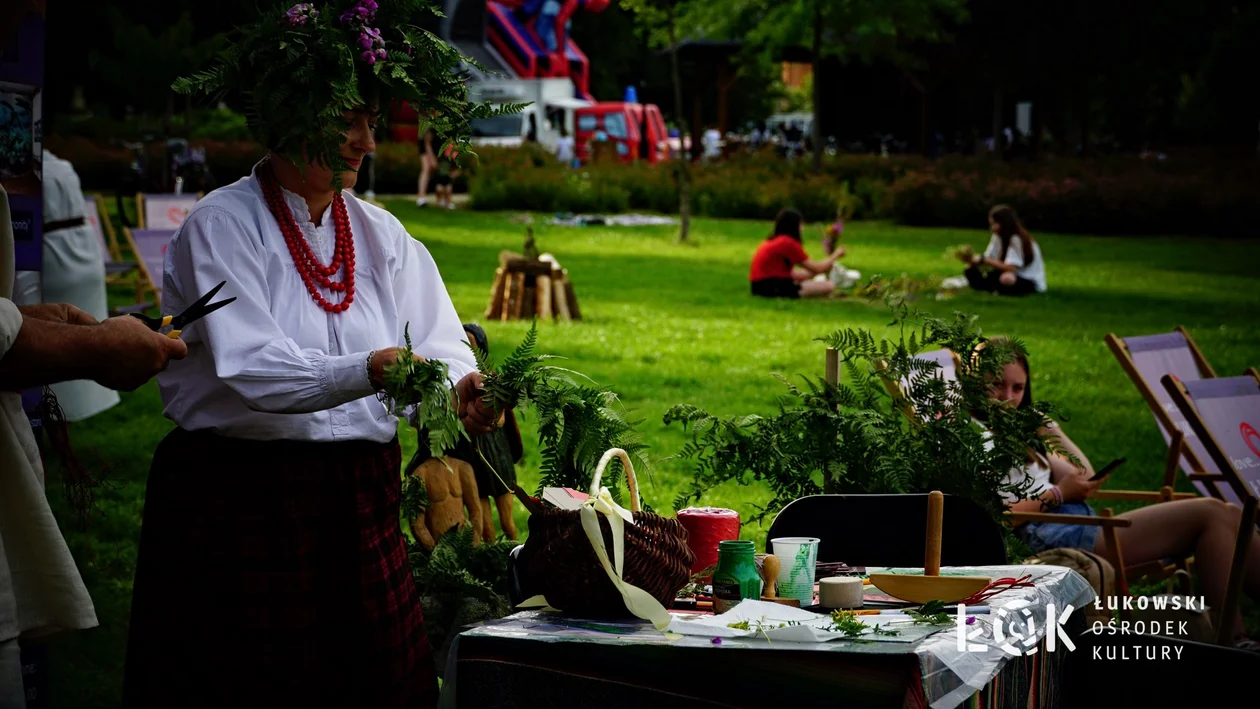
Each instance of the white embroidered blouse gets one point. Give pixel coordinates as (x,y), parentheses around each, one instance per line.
(274,365)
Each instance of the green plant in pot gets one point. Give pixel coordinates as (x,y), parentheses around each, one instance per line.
(892,426)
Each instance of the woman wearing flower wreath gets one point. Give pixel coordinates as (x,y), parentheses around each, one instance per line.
(272,569)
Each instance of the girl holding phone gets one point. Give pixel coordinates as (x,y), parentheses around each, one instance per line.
(1205,527)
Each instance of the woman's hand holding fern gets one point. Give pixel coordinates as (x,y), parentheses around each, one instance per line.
(381,360)
(477,417)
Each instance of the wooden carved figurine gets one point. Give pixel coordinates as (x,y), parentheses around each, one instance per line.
(493,457)
(452,489)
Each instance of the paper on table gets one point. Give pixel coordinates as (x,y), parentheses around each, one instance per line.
(565,498)
(808,627)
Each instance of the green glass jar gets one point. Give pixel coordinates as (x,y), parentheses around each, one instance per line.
(736,577)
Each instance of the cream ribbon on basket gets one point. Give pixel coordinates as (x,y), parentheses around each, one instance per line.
(639,602)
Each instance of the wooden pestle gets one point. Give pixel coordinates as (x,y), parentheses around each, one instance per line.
(935,517)
(769,576)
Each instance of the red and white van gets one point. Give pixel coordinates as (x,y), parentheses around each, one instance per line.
(636,129)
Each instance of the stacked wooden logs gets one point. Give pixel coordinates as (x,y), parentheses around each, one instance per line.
(525,288)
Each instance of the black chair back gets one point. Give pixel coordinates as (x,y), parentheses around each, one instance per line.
(890,530)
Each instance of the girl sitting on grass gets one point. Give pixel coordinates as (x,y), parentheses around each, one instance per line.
(1205,527)
(782,269)
(1012,263)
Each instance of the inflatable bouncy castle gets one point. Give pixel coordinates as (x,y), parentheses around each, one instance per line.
(511,39)
(532,37)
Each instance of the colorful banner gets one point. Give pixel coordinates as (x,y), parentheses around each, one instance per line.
(167,211)
(1230,409)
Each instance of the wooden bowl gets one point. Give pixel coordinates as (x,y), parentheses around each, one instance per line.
(921,589)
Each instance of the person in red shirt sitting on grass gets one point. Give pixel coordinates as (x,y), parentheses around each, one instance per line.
(782,269)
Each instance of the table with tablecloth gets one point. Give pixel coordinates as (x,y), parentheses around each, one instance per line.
(540,659)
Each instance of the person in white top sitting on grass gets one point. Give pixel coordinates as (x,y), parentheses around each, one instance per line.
(1012,264)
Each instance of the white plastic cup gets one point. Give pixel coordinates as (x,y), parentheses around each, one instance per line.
(798,557)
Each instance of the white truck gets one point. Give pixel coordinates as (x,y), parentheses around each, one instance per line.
(552,106)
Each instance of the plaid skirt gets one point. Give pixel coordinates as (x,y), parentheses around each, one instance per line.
(275,574)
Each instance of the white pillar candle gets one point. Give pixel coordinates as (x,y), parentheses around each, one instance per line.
(840,592)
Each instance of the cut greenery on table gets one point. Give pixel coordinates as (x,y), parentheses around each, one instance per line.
(930,613)
(460,583)
(847,622)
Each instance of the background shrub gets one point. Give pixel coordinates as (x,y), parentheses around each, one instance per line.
(1115,195)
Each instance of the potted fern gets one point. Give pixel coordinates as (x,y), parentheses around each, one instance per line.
(892,426)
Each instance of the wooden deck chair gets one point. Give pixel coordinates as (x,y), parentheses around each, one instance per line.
(96,215)
(149,246)
(1146,359)
(1224,412)
(945,359)
(117,271)
(163,211)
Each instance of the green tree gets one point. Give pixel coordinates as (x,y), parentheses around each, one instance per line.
(141,64)
(658,22)
(844,29)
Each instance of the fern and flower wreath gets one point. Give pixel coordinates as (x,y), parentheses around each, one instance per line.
(299,70)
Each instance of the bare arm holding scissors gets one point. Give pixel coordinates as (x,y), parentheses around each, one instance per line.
(120,353)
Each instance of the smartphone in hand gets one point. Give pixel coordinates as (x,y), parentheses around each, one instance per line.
(1107,469)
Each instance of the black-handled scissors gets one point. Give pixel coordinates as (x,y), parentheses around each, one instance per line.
(195,311)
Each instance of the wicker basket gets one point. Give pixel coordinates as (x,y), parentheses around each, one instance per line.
(559,562)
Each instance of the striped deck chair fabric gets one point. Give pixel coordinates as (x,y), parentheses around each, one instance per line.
(1154,356)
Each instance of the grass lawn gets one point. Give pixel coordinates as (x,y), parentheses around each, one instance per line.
(666,324)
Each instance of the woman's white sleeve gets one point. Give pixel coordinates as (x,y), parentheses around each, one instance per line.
(994,249)
(426,313)
(1015,254)
(251,353)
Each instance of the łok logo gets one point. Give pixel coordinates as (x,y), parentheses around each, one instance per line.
(1014,625)
(1250,437)
(176,215)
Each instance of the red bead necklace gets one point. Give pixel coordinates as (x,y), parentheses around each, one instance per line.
(313,273)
